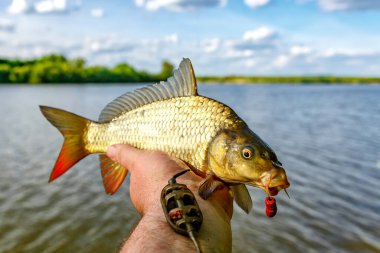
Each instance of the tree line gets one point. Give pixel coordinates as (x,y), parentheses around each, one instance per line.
(290,79)
(56,68)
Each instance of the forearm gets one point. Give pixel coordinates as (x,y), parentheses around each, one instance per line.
(153,234)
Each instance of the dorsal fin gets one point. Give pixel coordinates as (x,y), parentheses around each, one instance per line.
(181,84)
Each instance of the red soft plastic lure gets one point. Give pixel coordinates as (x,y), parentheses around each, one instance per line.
(271,207)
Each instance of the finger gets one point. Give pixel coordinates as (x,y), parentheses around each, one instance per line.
(126,155)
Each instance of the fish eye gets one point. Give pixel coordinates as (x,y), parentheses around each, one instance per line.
(248,152)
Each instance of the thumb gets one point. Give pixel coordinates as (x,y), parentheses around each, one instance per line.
(126,155)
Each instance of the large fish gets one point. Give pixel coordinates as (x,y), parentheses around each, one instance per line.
(171,117)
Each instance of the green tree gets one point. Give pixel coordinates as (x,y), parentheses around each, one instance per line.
(166,70)
(77,69)
(57,68)
(125,73)
(55,58)
(98,74)
(20,74)
(5,71)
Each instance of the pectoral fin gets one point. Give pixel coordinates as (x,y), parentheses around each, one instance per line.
(180,163)
(242,197)
(208,186)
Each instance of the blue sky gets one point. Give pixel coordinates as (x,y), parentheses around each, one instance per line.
(250,37)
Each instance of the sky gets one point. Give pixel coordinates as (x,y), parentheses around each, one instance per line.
(221,37)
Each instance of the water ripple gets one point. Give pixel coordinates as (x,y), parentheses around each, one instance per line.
(327,137)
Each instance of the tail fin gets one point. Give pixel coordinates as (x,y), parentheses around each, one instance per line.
(72,128)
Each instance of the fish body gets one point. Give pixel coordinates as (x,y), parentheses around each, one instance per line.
(182,127)
(171,117)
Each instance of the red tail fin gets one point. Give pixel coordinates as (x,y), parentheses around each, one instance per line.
(72,128)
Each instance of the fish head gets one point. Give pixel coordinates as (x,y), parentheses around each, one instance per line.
(241,156)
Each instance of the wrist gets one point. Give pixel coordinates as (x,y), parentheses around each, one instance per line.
(215,233)
(153,234)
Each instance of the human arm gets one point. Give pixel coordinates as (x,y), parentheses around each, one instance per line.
(150,172)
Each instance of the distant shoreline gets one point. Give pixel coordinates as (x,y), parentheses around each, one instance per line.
(57,69)
(234,80)
(199,80)
(226,80)
(290,80)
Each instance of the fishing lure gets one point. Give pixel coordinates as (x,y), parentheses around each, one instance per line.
(181,209)
(271,207)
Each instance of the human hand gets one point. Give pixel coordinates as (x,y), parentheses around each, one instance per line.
(150,172)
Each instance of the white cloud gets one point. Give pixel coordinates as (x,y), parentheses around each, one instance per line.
(261,34)
(49,6)
(27,50)
(210,45)
(300,50)
(257,52)
(107,45)
(256,3)
(42,6)
(6,25)
(226,56)
(262,38)
(139,3)
(331,61)
(116,48)
(344,5)
(19,7)
(344,52)
(281,61)
(233,53)
(172,38)
(145,54)
(179,5)
(97,12)
(250,63)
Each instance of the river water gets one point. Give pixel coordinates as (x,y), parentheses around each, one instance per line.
(327,137)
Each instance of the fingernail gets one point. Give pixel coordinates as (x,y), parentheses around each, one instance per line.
(111,152)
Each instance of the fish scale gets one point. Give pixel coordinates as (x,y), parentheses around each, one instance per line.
(182,127)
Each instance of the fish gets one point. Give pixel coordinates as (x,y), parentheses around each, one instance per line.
(170,116)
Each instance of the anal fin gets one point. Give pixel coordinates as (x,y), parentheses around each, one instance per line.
(113,174)
(242,197)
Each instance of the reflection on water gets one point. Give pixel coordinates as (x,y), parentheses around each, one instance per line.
(328,138)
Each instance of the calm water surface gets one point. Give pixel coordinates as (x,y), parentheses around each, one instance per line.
(328,138)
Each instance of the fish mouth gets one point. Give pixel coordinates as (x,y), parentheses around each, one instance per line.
(274,190)
(273,182)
